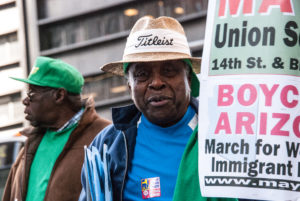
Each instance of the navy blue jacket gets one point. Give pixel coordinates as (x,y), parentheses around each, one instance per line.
(120,140)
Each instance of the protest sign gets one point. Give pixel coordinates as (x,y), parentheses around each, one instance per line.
(249,114)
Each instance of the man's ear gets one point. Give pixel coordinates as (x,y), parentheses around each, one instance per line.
(129,87)
(60,95)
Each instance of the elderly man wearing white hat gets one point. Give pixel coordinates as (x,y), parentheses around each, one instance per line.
(144,146)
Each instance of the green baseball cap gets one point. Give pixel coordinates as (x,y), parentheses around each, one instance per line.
(195,83)
(49,72)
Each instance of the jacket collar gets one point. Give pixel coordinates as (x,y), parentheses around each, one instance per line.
(127,116)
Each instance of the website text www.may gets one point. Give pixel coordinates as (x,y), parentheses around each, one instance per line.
(252,182)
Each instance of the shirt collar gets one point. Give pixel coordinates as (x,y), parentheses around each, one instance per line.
(72,121)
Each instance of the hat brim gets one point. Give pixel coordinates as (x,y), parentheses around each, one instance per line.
(117,67)
(27,81)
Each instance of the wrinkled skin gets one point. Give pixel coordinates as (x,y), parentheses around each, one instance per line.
(40,107)
(160,90)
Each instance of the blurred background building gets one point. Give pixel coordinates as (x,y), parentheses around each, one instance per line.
(85,34)
(12,63)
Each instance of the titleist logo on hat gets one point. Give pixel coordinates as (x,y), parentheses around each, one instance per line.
(148,40)
(156,40)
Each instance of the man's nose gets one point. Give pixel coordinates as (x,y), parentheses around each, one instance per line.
(26,101)
(157,82)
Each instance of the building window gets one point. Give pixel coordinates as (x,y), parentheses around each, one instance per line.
(58,8)
(93,27)
(9,48)
(105,87)
(111,21)
(11,109)
(197,53)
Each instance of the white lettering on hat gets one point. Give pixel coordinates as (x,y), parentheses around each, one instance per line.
(156,40)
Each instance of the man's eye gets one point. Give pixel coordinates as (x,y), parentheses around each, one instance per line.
(30,95)
(141,74)
(169,71)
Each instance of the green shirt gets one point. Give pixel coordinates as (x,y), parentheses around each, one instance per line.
(48,151)
(187,185)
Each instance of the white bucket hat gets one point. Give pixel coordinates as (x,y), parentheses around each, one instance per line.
(159,39)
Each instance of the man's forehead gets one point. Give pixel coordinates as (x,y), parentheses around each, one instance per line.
(37,88)
(31,86)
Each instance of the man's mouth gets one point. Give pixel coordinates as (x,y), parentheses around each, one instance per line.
(26,115)
(158,100)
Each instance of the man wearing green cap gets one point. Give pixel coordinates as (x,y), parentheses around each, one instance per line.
(145,144)
(49,165)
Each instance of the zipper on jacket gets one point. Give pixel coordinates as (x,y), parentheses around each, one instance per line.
(126,151)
